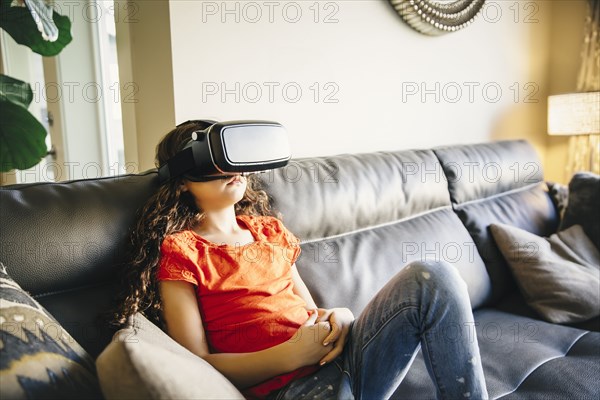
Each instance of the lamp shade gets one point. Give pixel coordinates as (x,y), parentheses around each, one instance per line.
(574,114)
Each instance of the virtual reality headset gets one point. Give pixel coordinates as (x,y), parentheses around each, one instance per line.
(228,148)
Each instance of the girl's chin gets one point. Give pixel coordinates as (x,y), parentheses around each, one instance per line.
(235,193)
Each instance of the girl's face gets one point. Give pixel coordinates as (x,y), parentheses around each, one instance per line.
(217,194)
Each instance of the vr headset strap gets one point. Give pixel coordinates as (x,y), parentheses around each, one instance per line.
(196,157)
(177,165)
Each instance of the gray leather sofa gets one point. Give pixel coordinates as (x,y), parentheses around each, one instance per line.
(361,218)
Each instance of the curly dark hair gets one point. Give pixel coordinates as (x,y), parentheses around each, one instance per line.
(169,210)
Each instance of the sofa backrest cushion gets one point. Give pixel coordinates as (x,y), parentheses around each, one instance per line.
(362,217)
(69,234)
(63,243)
(326,196)
(501,183)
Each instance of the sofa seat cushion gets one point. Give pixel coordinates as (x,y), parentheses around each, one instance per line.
(573,376)
(514,352)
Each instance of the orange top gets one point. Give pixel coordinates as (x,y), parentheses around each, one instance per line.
(244,292)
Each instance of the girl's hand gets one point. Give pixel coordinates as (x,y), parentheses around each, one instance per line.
(306,346)
(340,320)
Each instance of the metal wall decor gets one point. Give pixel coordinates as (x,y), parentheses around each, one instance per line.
(436,17)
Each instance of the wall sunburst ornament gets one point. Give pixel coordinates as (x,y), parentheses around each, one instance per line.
(436,17)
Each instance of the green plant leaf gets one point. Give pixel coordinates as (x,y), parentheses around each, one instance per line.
(42,13)
(22,137)
(18,23)
(15,90)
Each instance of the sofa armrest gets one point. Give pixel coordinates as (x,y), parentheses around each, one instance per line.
(143,362)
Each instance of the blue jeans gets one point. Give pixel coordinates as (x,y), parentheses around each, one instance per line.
(424,306)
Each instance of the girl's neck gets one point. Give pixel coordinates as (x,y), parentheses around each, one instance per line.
(219,221)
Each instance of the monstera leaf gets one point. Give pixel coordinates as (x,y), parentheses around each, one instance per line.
(34,23)
(22,137)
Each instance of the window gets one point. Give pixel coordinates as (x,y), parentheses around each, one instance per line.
(109,75)
(76,96)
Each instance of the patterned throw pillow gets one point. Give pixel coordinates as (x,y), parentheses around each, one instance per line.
(38,357)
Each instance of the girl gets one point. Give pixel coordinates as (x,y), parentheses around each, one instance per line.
(216,270)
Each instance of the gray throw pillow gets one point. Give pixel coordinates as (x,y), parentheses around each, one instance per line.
(143,362)
(583,205)
(559,276)
(39,359)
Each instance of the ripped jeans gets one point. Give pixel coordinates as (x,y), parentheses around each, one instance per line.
(424,306)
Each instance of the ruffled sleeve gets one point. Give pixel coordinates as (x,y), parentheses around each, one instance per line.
(175,264)
(278,234)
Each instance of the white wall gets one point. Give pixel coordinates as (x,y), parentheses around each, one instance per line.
(144,56)
(372,57)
